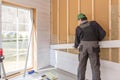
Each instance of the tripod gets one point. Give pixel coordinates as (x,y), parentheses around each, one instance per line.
(2,68)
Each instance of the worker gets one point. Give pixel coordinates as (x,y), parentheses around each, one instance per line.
(87,37)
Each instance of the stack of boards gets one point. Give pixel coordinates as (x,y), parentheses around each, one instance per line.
(48,76)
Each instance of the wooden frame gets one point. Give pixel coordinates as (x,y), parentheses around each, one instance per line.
(105,21)
(15,4)
(34,40)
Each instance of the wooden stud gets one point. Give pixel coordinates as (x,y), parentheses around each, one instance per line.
(119,24)
(51,22)
(68,23)
(93,9)
(58,32)
(110,51)
(15,4)
(78,8)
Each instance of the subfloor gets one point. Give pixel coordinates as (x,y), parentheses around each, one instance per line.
(60,74)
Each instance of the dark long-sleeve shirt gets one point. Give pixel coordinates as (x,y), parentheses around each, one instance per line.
(89,31)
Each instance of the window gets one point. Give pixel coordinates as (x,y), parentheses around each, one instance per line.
(16,33)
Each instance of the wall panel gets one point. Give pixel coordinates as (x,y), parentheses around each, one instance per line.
(86,8)
(102,14)
(54,34)
(55,16)
(63,21)
(73,22)
(104,54)
(105,12)
(114,19)
(115,29)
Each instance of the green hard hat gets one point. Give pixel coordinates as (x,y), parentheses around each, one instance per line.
(80,16)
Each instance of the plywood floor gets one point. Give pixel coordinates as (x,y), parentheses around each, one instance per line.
(62,75)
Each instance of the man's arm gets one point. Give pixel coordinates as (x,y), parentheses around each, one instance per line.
(100,31)
(77,37)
